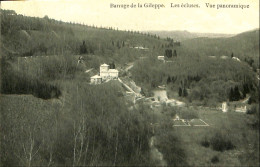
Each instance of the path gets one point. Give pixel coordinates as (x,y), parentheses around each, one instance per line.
(130,89)
(88,70)
(129,66)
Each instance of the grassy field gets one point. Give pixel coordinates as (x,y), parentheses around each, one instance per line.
(231,124)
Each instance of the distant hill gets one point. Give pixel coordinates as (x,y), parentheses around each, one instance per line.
(33,36)
(245,46)
(246,43)
(184,35)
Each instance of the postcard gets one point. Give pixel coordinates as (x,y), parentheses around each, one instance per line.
(129,83)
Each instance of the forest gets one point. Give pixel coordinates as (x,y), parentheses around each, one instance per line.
(198,76)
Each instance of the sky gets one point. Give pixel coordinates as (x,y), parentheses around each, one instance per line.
(99,12)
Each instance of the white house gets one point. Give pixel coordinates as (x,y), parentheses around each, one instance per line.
(161,58)
(104,74)
(241,109)
(104,71)
(107,73)
(96,79)
(113,73)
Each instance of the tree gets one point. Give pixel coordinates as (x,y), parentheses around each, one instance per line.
(236,94)
(185,93)
(118,44)
(169,80)
(112,65)
(180,91)
(231,94)
(175,53)
(168,53)
(245,90)
(83,48)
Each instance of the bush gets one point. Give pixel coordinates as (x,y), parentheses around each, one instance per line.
(205,142)
(15,82)
(215,159)
(169,145)
(253,118)
(221,143)
(253,110)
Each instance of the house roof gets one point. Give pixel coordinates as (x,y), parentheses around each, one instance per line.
(96,77)
(104,64)
(112,70)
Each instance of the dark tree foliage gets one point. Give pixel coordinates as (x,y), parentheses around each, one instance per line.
(16,83)
(215,159)
(168,53)
(112,65)
(234,94)
(237,95)
(220,142)
(175,53)
(231,95)
(83,48)
(177,43)
(169,80)
(250,61)
(205,142)
(180,91)
(185,92)
(118,45)
(245,89)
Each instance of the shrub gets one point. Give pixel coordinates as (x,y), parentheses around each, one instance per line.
(15,82)
(169,145)
(252,110)
(254,118)
(205,142)
(215,159)
(221,143)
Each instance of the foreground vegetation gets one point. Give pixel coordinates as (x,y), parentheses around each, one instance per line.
(90,125)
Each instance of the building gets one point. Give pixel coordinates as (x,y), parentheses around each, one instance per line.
(96,79)
(161,58)
(107,73)
(224,107)
(241,109)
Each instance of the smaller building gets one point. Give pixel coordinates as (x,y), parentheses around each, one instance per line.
(241,109)
(113,73)
(161,58)
(107,73)
(224,107)
(96,79)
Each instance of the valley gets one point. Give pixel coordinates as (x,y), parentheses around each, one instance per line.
(52,115)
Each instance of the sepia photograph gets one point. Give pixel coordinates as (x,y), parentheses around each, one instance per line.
(129,83)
